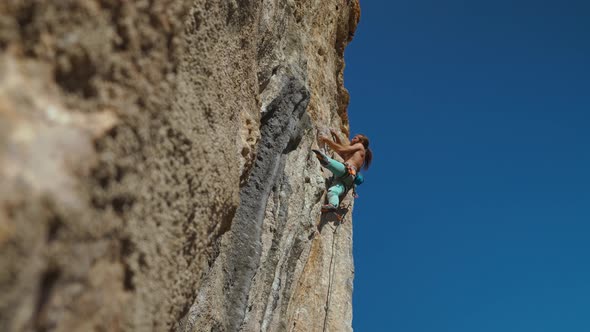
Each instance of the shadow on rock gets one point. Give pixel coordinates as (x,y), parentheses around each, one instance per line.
(337,217)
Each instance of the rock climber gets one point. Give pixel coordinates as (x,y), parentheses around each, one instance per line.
(356,154)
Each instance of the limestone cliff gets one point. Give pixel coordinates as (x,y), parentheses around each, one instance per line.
(155,166)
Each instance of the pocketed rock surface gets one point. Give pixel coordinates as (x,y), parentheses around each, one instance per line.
(155,165)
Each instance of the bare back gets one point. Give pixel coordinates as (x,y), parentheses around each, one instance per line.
(355,158)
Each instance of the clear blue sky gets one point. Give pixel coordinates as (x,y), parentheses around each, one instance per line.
(475,216)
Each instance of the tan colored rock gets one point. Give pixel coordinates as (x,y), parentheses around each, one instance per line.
(155,165)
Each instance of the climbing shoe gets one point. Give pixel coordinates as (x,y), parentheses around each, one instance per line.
(329,208)
(321,157)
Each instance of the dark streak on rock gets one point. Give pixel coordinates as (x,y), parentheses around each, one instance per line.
(278,127)
(46,286)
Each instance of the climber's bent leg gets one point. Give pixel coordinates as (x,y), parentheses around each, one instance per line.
(334,194)
(337,168)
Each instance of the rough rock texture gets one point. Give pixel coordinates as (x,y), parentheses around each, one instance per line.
(155,166)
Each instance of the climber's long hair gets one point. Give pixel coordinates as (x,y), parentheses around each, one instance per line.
(368,152)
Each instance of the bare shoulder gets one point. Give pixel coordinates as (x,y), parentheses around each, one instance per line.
(359,146)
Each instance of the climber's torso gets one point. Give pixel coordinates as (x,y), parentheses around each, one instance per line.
(355,158)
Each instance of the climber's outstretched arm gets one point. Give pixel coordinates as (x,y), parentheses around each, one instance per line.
(337,139)
(341,149)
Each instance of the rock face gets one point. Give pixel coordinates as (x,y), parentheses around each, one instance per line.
(155,165)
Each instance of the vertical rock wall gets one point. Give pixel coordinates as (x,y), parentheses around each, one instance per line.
(155,168)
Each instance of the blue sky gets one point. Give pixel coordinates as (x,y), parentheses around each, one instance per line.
(475,215)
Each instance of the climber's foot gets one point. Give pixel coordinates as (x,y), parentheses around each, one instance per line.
(329,208)
(321,157)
